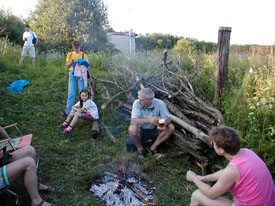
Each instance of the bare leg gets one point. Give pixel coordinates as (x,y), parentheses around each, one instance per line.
(3,133)
(134,133)
(75,119)
(199,199)
(33,61)
(27,166)
(70,116)
(27,151)
(164,135)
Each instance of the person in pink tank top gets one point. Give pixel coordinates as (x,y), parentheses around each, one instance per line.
(246,176)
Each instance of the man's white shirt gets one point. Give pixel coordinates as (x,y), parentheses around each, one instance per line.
(29,35)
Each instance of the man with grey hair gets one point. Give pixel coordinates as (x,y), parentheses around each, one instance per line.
(146,113)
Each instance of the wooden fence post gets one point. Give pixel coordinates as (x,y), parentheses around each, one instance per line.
(222,61)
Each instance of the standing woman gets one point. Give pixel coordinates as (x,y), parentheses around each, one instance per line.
(74,82)
(246,176)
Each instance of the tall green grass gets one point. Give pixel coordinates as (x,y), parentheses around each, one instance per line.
(249,102)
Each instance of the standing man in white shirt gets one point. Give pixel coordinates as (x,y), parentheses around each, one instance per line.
(28,48)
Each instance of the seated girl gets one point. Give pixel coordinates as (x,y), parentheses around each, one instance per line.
(85,108)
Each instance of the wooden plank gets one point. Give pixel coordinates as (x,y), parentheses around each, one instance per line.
(12,125)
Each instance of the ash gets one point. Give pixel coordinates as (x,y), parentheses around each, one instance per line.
(122,190)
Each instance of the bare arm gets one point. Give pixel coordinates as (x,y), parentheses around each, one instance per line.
(227,178)
(139,122)
(168,121)
(212,177)
(75,108)
(23,37)
(3,133)
(69,63)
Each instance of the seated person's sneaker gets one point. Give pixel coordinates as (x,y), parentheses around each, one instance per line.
(64,115)
(63,125)
(140,154)
(68,130)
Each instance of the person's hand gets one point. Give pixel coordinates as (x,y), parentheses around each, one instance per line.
(161,129)
(74,61)
(82,109)
(154,120)
(190,176)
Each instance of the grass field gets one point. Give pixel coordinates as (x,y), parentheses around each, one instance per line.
(72,163)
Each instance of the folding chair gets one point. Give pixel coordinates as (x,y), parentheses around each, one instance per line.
(16,143)
(12,145)
(6,189)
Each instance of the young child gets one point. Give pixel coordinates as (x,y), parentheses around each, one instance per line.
(85,108)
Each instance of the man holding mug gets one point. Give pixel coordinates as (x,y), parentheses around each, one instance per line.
(147,111)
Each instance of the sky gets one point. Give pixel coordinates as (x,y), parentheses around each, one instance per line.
(252,21)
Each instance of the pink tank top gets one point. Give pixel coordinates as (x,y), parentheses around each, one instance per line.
(255,186)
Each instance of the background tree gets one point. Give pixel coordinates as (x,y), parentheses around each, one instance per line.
(191,45)
(156,41)
(11,27)
(183,45)
(58,22)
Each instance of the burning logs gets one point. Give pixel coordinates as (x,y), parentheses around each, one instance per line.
(122,189)
(192,116)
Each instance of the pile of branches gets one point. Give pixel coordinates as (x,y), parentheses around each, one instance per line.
(191,116)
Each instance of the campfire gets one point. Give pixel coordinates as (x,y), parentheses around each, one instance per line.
(122,189)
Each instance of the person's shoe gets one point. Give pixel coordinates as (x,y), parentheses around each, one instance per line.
(64,115)
(155,153)
(140,154)
(94,134)
(63,125)
(45,189)
(68,130)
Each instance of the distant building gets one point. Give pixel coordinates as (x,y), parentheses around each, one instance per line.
(123,41)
